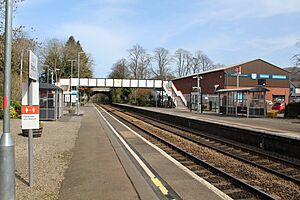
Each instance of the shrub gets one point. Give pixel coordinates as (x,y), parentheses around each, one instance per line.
(17,106)
(15,109)
(293,109)
(141,97)
(13,113)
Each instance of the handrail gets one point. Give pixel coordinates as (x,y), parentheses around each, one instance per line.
(170,94)
(178,93)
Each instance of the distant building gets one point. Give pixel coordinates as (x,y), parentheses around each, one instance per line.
(255,73)
(295,91)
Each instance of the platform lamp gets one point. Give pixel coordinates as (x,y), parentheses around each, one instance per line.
(78,81)
(7,146)
(71,75)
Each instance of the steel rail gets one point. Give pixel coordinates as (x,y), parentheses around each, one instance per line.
(223,140)
(282,175)
(240,183)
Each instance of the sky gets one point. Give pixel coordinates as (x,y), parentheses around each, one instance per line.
(228,31)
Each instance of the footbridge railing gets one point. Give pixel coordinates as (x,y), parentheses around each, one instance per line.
(107,82)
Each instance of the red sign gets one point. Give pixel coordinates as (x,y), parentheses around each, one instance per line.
(29,110)
(238,70)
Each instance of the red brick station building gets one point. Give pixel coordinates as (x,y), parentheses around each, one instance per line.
(257,75)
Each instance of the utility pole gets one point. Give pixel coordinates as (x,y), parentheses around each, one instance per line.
(78,83)
(72,65)
(7,147)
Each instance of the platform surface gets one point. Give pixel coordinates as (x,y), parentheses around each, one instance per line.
(96,170)
(279,126)
(101,168)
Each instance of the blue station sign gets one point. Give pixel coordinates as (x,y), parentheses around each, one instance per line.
(254,76)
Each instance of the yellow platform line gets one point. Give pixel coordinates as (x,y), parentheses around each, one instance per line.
(160,186)
(154,179)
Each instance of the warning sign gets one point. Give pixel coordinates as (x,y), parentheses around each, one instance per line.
(30,117)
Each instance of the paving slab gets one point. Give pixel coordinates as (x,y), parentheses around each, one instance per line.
(100,168)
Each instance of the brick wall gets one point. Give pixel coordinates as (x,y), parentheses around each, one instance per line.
(207,83)
(273,91)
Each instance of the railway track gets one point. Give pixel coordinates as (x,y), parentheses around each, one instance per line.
(233,184)
(279,166)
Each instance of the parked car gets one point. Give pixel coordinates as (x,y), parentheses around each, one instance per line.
(280,106)
(269,103)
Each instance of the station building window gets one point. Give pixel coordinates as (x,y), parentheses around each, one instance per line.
(262,82)
(278,98)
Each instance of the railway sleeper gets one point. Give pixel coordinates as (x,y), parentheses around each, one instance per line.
(223,185)
(273,165)
(235,192)
(287,170)
(187,163)
(174,154)
(264,162)
(181,159)
(254,158)
(213,179)
(197,169)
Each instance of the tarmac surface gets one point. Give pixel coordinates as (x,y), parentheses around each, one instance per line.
(102,168)
(278,126)
(96,171)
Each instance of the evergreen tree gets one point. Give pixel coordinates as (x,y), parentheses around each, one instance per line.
(60,56)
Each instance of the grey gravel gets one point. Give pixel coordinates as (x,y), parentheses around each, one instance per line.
(52,155)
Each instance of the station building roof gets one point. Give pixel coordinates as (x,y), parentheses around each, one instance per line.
(253,89)
(49,86)
(229,67)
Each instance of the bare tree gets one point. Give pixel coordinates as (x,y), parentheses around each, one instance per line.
(183,60)
(144,66)
(52,53)
(139,62)
(204,62)
(163,59)
(218,65)
(120,69)
(2,12)
(134,57)
(195,65)
(296,57)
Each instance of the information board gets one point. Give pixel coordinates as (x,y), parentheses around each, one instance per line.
(30,117)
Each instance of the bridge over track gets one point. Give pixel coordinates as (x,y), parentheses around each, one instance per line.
(111,83)
(107,83)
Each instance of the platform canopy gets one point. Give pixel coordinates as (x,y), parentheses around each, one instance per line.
(243,101)
(255,89)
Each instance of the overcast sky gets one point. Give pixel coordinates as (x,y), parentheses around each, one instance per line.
(228,31)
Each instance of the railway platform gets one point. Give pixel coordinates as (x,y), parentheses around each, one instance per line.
(111,162)
(280,127)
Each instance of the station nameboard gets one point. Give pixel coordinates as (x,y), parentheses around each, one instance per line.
(33,66)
